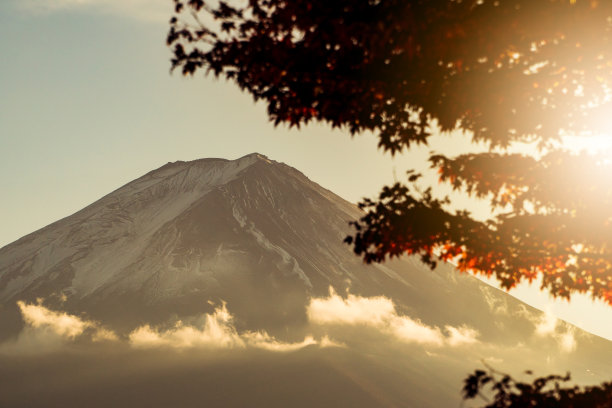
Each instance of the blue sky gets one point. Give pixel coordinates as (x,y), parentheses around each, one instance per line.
(87,104)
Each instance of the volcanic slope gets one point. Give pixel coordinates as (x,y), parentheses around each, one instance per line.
(260,237)
(246,231)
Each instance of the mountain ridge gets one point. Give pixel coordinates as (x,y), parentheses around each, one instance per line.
(184,163)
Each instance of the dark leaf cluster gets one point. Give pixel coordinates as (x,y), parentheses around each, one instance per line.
(554,221)
(503,391)
(503,71)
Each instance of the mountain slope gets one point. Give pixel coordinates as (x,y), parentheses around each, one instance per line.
(261,237)
(191,231)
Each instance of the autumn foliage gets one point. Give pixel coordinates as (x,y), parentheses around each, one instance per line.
(503,71)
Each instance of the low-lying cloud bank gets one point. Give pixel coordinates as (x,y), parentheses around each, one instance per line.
(48,329)
(380,313)
(217,331)
(37,316)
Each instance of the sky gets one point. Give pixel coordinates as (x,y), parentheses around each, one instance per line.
(88,104)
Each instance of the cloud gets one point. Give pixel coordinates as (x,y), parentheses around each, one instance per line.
(102,334)
(264,341)
(567,340)
(461,335)
(47,330)
(50,330)
(352,310)
(66,326)
(379,312)
(62,324)
(547,324)
(145,10)
(327,342)
(413,331)
(216,332)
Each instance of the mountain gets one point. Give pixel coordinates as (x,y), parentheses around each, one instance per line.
(261,238)
(241,231)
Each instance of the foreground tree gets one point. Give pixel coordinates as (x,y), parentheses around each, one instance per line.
(504,71)
(547,391)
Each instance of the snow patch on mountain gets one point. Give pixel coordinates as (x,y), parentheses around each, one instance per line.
(286,259)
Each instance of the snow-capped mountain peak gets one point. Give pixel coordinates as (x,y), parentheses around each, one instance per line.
(182,230)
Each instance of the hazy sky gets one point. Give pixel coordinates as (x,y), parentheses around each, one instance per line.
(87,104)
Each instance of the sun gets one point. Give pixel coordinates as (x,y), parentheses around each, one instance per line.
(592,144)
